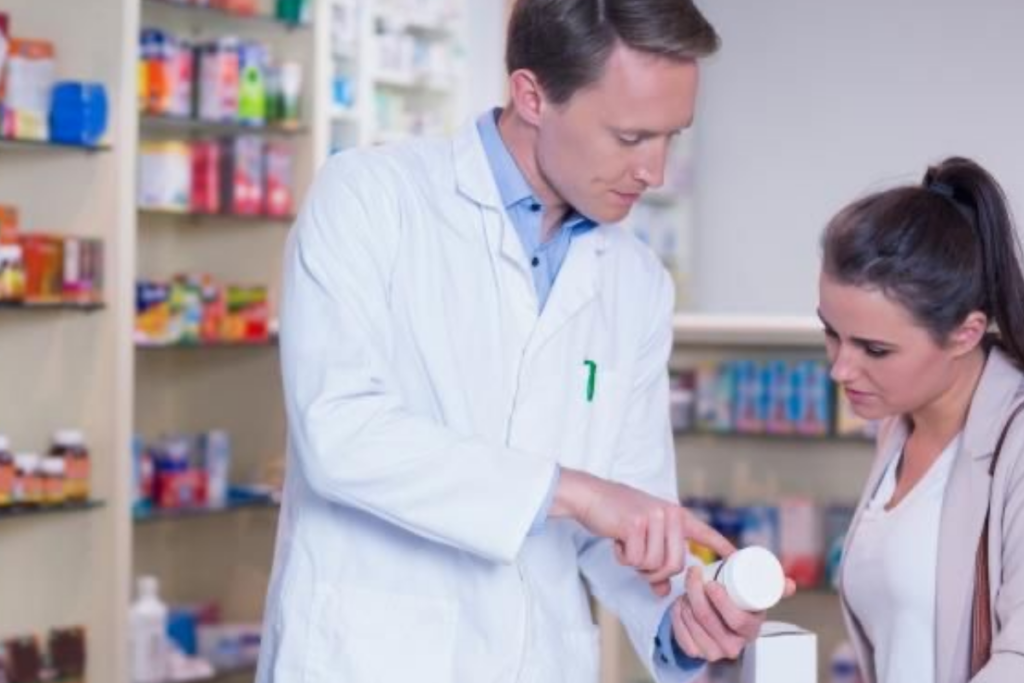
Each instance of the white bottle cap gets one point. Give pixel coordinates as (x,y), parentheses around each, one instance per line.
(27,462)
(54,467)
(754,578)
(149,586)
(68,437)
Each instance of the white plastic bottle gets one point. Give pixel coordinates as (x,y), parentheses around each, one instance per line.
(752,576)
(148,634)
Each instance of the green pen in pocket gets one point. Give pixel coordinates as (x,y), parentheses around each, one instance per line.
(591,379)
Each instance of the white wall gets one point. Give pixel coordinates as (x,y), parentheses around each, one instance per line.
(485,54)
(812,103)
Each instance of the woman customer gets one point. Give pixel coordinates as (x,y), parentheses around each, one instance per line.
(922,300)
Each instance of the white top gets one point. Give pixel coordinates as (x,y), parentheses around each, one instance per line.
(890,575)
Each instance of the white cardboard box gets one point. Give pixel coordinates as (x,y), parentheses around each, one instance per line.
(783,653)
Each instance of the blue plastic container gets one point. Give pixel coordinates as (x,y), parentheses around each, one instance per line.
(78,115)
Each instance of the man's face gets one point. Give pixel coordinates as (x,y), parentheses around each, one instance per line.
(600,150)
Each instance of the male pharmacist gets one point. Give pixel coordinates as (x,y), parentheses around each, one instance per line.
(475,371)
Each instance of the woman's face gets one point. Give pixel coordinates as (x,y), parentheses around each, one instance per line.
(884,361)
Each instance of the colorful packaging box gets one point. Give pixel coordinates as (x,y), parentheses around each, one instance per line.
(5,48)
(815,391)
(280,201)
(242,178)
(30,79)
(83,270)
(247,314)
(8,225)
(801,541)
(152,312)
(44,268)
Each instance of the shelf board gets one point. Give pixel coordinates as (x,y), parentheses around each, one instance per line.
(200,513)
(196,346)
(799,438)
(52,306)
(181,124)
(748,331)
(194,217)
(341,114)
(10,145)
(199,11)
(227,672)
(411,82)
(67,508)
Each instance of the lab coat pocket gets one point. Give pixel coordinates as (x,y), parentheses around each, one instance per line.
(371,636)
(571,657)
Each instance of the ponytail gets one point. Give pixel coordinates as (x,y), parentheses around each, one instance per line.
(981,200)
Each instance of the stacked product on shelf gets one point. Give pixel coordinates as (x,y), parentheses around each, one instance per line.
(181,472)
(221,81)
(31,481)
(241,176)
(34,105)
(24,659)
(763,397)
(413,50)
(198,310)
(186,642)
(288,11)
(43,268)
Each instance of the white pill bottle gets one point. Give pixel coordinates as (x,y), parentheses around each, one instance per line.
(752,576)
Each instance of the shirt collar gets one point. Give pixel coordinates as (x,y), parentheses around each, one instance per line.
(512,186)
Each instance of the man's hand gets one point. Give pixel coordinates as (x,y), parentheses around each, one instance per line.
(650,534)
(708,625)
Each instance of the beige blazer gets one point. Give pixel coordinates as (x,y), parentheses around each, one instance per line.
(963,513)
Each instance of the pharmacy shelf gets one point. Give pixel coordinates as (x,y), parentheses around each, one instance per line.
(186,125)
(196,218)
(760,331)
(824,439)
(15,146)
(201,513)
(7,514)
(199,12)
(201,346)
(401,81)
(248,670)
(90,307)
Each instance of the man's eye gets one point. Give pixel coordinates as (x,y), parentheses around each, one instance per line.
(630,140)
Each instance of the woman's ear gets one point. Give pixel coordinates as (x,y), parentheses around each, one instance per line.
(969,334)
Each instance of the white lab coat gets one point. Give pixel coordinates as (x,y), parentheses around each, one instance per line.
(428,404)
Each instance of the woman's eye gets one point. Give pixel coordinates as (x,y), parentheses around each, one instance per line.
(876,352)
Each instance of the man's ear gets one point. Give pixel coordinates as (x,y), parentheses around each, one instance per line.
(527,96)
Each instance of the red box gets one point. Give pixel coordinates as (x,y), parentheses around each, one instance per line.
(44,268)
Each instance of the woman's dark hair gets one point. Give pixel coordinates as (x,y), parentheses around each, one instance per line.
(566,43)
(941,249)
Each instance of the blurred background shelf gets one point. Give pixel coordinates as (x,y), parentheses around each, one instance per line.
(52,306)
(162,217)
(8,514)
(200,513)
(199,12)
(9,145)
(185,125)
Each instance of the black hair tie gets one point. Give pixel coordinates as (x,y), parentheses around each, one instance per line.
(963,204)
